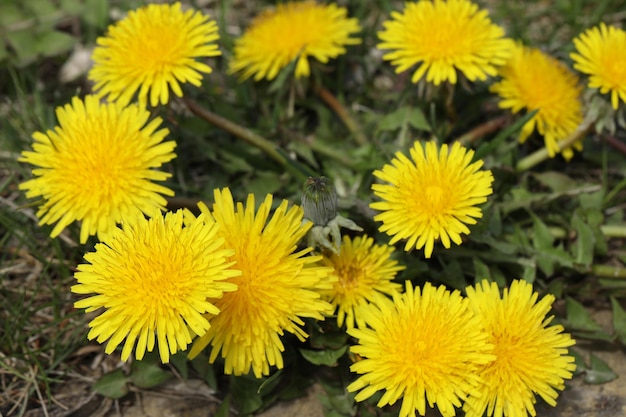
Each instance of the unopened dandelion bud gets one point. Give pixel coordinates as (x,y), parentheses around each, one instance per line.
(319,200)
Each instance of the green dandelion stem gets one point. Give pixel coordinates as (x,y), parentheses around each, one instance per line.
(482,130)
(614,230)
(542,154)
(609,231)
(249,136)
(608,271)
(341,112)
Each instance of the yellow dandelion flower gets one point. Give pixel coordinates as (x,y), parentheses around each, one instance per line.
(601,53)
(425,346)
(155,279)
(277,288)
(153,49)
(531,357)
(533,80)
(443,37)
(293,30)
(363,270)
(98,166)
(432,196)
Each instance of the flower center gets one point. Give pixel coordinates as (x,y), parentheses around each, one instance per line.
(435,199)
(349,278)
(615,70)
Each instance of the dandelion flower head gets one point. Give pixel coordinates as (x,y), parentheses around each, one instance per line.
(154,279)
(152,50)
(363,270)
(533,80)
(531,356)
(98,166)
(433,195)
(277,288)
(424,347)
(601,53)
(442,37)
(293,31)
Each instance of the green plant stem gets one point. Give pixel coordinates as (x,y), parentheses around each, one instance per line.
(614,230)
(482,130)
(608,231)
(542,154)
(608,271)
(247,135)
(341,112)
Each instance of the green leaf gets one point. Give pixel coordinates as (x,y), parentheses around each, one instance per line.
(599,372)
(245,393)
(181,363)
(403,116)
(529,270)
(578,317)
(112,385)
(326,357)
(585,241)
(224,409)
(547,258)
(4,54)
(23,42)
(499,245)
(97,13)
(556,181)
(51,43)
(481,270)
(10,15)
(265,183)
(343,404)
(579,361)
(453,275)
(330,340)
(619,320)
(270,382)
(44,10)
(145,374)
(542,237)
(594,200)
(202,366)
(74,7)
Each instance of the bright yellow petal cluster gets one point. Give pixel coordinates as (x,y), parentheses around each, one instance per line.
(278,286)
(363,270)
(153,49)
(98,166)
(601,53)
(531,356)
(431,196)
(293,30)
(425,347)
(443,37)
(533,80)
(155,279)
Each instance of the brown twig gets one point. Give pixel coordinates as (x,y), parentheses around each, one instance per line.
(341,112)
(482,130)
(615,143)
